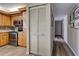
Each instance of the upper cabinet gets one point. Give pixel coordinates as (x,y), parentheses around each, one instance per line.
(1,19)
(5,20)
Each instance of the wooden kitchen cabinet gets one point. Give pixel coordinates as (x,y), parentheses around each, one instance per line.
(1,19)
(6,20)
(24,40)
(4,38)
(21,39)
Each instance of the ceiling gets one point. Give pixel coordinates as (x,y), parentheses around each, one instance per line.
(11,6)
(60,9)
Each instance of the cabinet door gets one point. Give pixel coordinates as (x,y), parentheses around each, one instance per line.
(0,39)
(44,27)
(20,39)
(3,38)
(0,19)
(12,20)
(6,37)
(33,30)
(8,21)
(24,40)
(3,21)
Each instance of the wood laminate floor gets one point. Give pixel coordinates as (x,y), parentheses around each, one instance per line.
(60,48)
(9,50)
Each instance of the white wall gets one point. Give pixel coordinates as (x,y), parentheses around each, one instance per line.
(73,35)
(72,39)
(65,29)
(77,41)
(64,19)
(77,33)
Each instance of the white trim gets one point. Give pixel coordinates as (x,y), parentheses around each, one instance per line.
(27,17)
(71,49)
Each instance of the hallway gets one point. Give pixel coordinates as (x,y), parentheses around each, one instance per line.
(43,29)
(60,48)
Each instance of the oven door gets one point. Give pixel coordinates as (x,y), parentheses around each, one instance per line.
(14,38)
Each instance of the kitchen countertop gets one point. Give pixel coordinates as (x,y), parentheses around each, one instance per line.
(6,30)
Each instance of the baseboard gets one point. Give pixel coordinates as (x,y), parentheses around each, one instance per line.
(35,54)
(71,49)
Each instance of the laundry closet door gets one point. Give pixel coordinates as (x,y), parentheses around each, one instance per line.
(33,29)
(43,30)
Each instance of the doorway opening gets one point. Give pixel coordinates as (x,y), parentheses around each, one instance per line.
(59,29)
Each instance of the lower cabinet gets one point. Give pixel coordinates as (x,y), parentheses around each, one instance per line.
(4,38)
(21,39)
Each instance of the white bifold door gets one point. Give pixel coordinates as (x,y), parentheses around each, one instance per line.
(39,30)
(33,30)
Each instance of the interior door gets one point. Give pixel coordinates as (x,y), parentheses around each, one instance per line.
(58,28)
(43,30)
(33,30)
